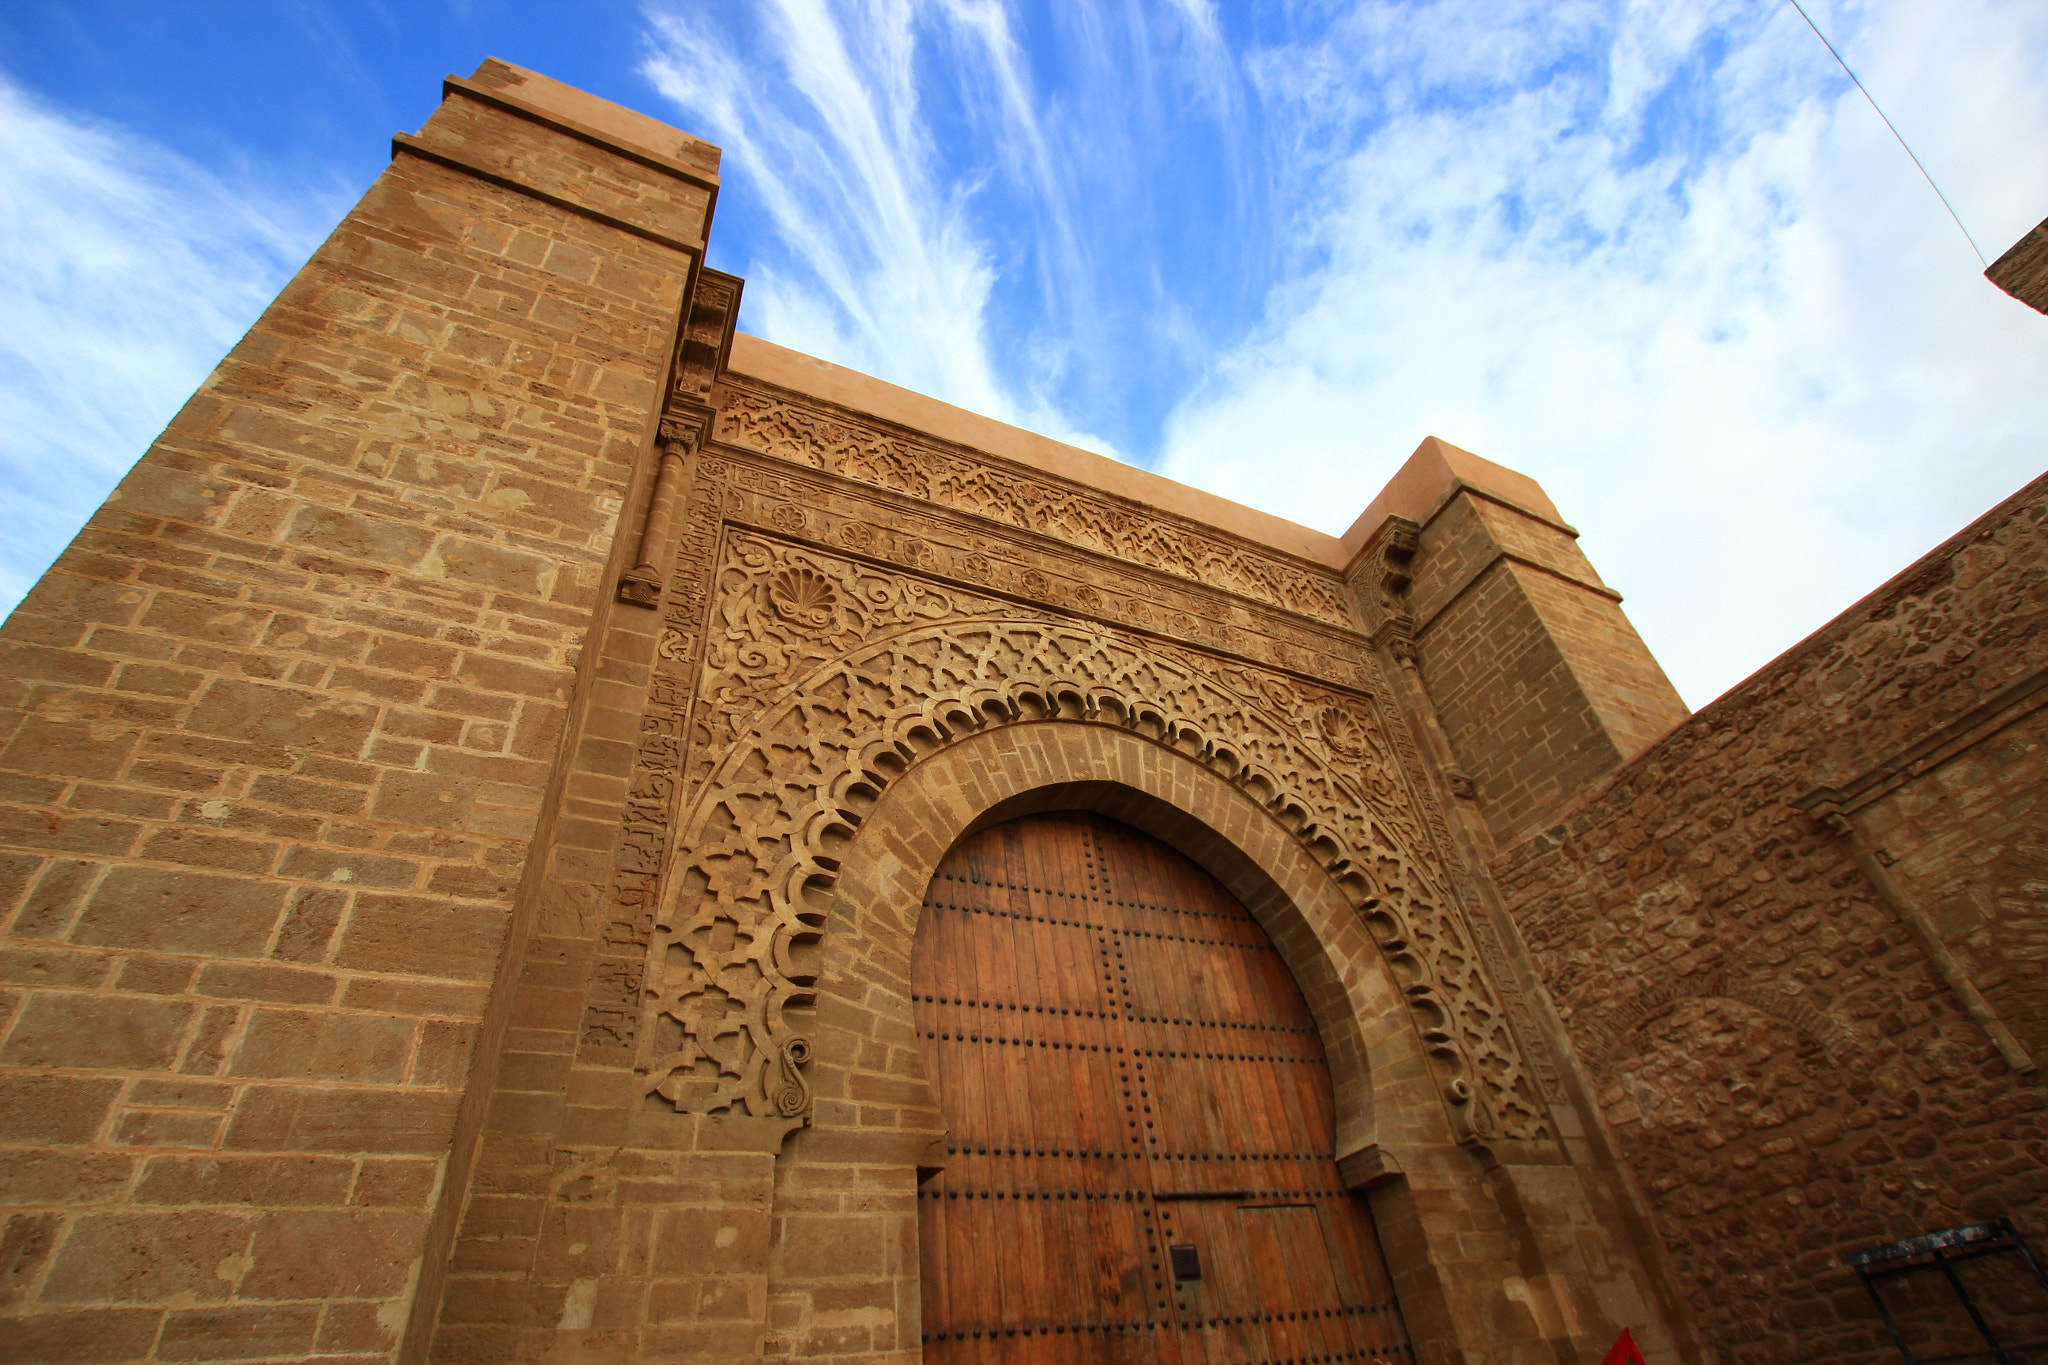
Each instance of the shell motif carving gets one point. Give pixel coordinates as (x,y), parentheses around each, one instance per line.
(1342,732)
(805,597)
(824,680)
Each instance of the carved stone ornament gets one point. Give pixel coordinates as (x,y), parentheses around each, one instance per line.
(805,597)
(980,487)
(1471,1120)
(806,712)
(1396,635)
(1342,731)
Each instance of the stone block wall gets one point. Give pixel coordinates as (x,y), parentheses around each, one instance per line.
(1538,682)
(276,733)
(1798,948)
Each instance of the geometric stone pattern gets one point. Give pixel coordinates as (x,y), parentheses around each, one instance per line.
(824,677)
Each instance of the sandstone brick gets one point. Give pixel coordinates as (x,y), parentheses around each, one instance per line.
(26,1241)
(180,1093)
(72,748)
(62,595)
(504,675)
(54,898)
(297,1118)
(444,1053)
(325,1044)
(111,1032)
(332,1254)
(317,864)
(356,1327)
(284,985)
(158,1128)
(148,1258)
(52,967)
(298,793)
(79,1338)
(65,833)
(238,1333)
(267,714)
(121,800)
(464,1000)
(196,849)
(54,1109)
(40,663)
(60,1177)
(309,635)
(207,1051)
(199,618)
(434,801)
(261,1182)
(185,912)
(397,1183)
(165,494)
(271,431)
(421,936)
(490,566)
(309,925)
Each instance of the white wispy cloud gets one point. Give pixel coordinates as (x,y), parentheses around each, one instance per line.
(126,272)
(1662,258)
(880,265)
(906,159)
(1718,315)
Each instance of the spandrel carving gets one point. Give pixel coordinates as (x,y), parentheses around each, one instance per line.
(826,678)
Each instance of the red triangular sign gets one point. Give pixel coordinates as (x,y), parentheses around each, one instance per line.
(1624,1351)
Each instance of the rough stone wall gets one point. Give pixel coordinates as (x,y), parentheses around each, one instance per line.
(1785,1067)
(275,735)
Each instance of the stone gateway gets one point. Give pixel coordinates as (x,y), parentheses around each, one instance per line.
(537,827)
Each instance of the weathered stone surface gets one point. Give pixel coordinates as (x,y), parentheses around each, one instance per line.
(1783,1065)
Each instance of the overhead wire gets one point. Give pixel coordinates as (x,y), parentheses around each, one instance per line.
(1895,132)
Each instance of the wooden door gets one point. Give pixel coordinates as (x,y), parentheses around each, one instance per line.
(1128,1068)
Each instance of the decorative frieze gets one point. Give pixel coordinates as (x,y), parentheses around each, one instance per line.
(1070,513)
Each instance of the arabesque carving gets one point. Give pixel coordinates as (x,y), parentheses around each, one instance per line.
(873,522)
(1073,514)
(824,679)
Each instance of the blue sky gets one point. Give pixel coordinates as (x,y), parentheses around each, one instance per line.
(1661,257)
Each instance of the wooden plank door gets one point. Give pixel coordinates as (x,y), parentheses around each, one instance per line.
(1127,1067)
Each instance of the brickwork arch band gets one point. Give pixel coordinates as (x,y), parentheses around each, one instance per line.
(1378,1067)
